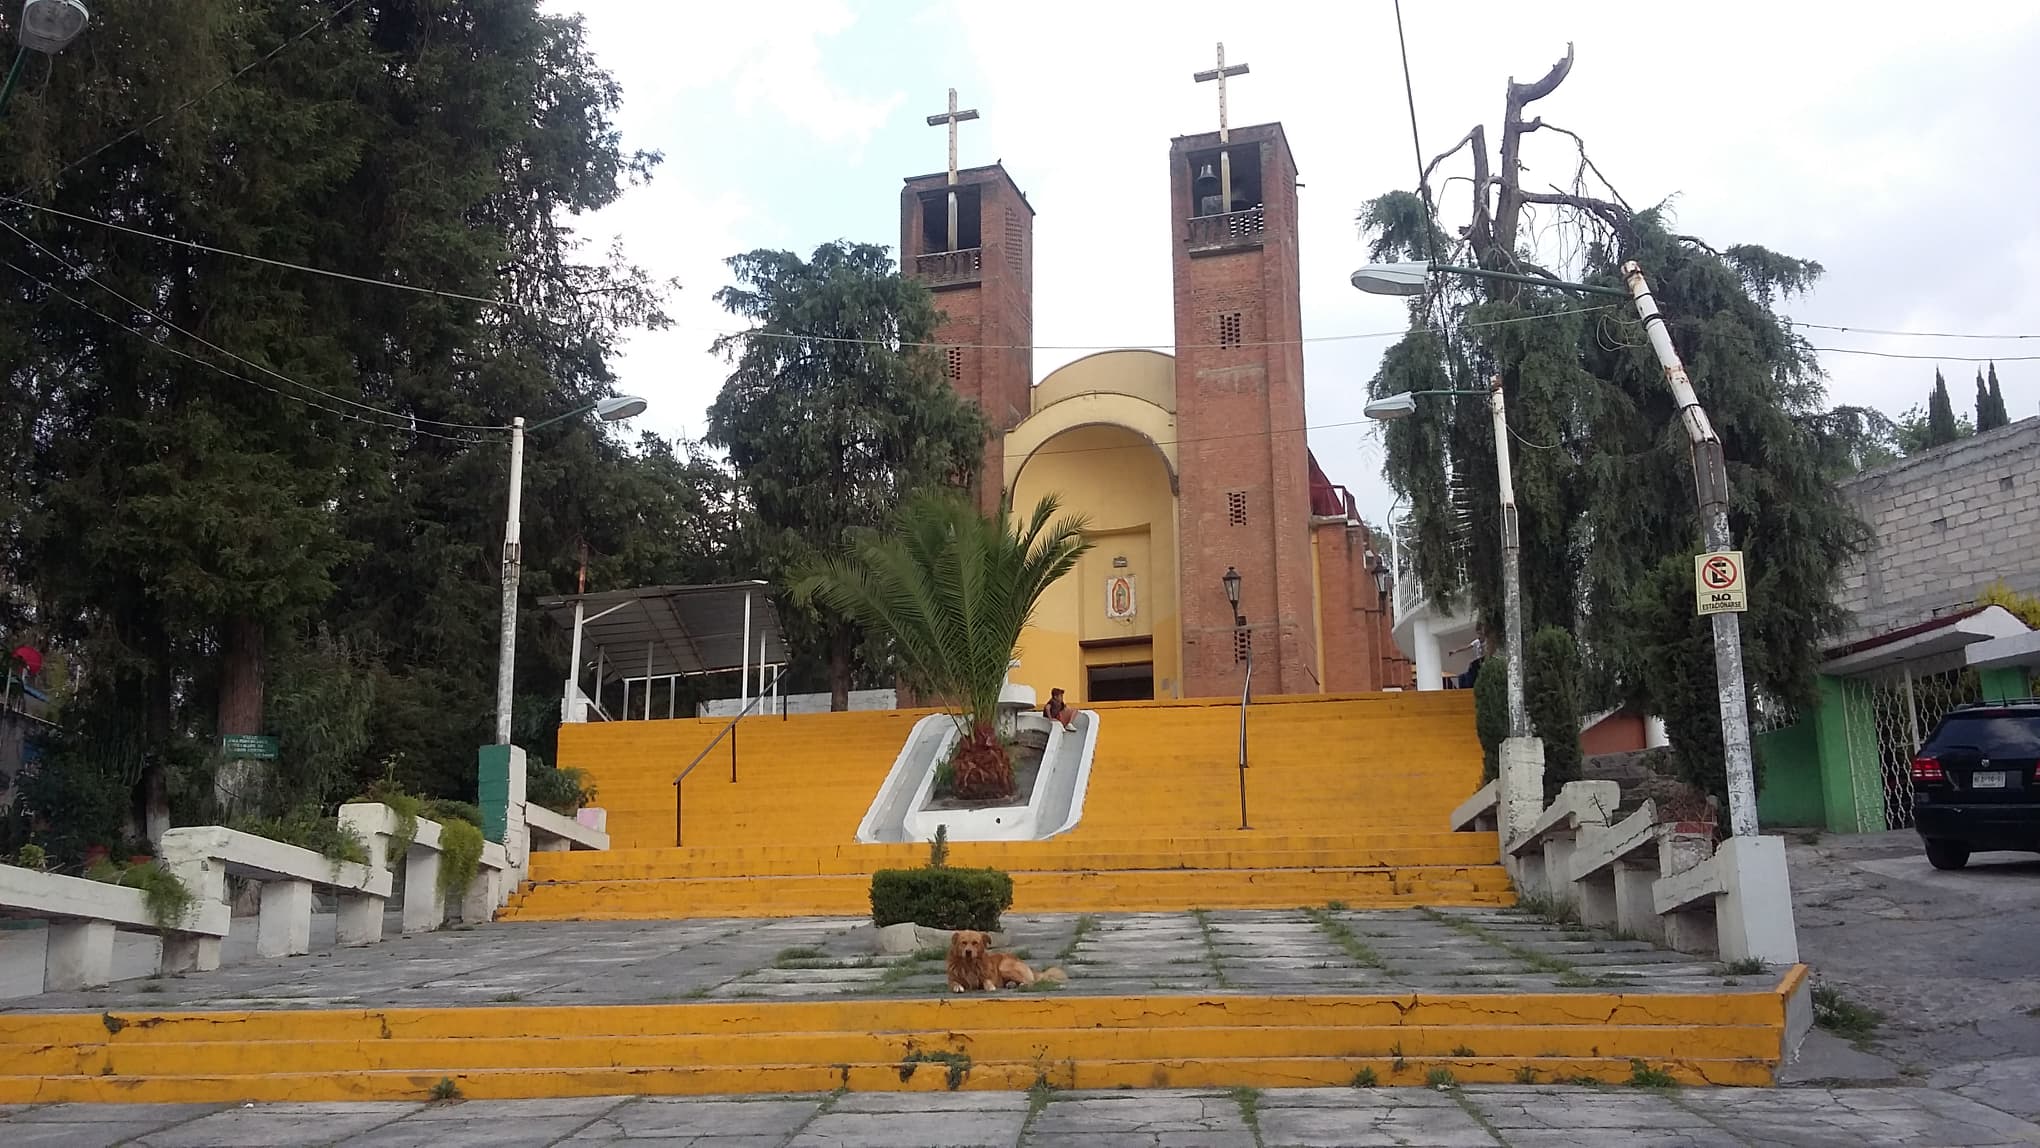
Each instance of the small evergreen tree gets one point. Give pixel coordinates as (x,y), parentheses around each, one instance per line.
(1941,426)
(1551,684)
(1998,415)
(1491,714)
(1983,410)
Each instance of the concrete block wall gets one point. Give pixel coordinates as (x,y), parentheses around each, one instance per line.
(1948,522)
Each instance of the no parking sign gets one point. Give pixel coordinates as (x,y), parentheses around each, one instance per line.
(1718,584)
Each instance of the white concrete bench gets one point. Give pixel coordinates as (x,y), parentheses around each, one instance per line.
(424,903)
(554,833)
(83,916)
(1543,857)
(205,856)
(1480,813)
(1612,869)
(1737,903)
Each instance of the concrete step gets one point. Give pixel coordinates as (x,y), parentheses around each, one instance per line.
(1052,891)
(988,1041)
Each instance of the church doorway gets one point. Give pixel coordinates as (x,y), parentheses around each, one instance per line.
(1127,683)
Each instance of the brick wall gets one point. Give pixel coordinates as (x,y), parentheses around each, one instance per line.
(1360,653)
(1948,522)
(991,320)
(1245,496)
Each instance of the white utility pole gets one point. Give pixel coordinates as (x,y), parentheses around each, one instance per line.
(1710,482)
(513,569)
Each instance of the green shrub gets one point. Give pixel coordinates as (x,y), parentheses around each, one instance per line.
(938,849)
(168,899)
(460,854)
(944,898)
(32,857)
(1551,684)
(563,789)
(444,809)
(1491,713)
(308,827)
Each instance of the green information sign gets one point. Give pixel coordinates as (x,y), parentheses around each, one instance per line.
(248,746)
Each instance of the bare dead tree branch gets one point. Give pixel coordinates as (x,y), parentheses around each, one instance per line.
(1589,162)
(1501,249)
(1469,138)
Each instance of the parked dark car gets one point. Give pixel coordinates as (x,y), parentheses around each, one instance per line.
(1976,782)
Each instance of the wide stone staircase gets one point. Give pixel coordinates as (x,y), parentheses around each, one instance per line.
(1344,938)
(1346,801)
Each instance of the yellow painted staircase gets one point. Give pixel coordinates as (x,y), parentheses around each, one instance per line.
(1346,798)
(1008,1042)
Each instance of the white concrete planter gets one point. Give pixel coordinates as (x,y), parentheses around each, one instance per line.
(901,939)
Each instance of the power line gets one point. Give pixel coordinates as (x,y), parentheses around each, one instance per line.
(1930,358)
(284,263)
(1270,433)
(202,341)
(1161,347)
(244,70)
(1416,145)
(1907,334)
(145,337)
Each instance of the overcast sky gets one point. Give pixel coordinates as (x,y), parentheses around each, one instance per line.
(1899,146)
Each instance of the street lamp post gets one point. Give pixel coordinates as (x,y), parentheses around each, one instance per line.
(1405,404)
(47,26)
(608,410)
(1710,483)
(1231,582)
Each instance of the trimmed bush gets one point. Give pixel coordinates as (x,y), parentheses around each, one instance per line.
(1552,689)
(1491,713)
(941,898)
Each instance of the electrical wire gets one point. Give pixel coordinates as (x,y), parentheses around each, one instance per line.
(283,263)
(1162,347)
(1416,145)
(1906,334)
(1930,358)
(406,426)
(215,347)
(242,71)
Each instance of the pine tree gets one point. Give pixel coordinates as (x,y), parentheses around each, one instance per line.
(1998,415)
(1941,426)
(833,413)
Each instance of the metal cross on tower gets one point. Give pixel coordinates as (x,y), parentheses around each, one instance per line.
(952,117)
(1220,74)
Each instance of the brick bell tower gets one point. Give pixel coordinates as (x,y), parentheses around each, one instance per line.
(1245,483)
(968,235)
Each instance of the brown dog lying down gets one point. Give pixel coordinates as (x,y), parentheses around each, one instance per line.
(973,966)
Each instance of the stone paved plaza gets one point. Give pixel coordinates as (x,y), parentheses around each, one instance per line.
(1328,950)
(1520,1117)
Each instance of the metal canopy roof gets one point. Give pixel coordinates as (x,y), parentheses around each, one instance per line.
(688,629)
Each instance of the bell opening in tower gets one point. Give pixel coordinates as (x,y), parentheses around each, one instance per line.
(1207,171)
(935,219)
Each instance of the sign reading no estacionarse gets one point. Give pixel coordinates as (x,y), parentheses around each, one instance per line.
(1718,584)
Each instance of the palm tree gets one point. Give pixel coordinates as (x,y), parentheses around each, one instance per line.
(953,588)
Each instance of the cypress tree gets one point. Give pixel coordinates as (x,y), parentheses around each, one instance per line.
(1941,426)
(1604,480)
(1983,408)
(1552,695)
(1999,416)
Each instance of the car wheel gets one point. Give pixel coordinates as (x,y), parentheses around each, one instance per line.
(1947,854)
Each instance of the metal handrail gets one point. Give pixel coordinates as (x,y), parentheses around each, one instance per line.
(731,730)
(1246,696)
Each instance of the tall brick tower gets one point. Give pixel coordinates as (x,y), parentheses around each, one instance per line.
(1245,484)
(978,258)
